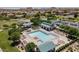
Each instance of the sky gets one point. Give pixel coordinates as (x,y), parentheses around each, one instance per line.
(39,3)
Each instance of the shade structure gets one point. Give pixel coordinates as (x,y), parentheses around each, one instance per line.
(47,46)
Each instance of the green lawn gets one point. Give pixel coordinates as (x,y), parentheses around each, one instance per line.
(5,43)
(9,22)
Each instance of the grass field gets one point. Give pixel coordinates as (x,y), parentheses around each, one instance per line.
(5,43)
(9,22)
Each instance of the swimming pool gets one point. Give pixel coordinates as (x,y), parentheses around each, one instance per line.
(44,37)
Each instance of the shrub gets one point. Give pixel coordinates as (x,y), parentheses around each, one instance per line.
(5,25)
(30,47)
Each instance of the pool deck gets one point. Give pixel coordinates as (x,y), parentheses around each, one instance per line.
(59,41)
(62,37)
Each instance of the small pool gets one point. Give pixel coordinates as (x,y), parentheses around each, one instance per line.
(42,36)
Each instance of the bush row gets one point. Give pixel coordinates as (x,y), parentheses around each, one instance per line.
(70,30)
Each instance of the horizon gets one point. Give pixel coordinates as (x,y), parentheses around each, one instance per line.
(33,7)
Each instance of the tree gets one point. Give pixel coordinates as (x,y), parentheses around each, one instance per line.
(51,17)
(24,15)
(37,15)
(13,28)
(36,21)
(65,11)
(75,15)
(30,47)
(14,25)
(70,30)
(11,31)
(6,26)
(15,36)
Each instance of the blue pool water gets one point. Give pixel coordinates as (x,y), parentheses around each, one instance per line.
(42,36)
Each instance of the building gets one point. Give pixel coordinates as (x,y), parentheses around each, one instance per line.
(67,23)
(19,16)
(26,25)
(69,16)
(47,26)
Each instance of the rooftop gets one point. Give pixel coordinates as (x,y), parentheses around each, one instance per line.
(46,23)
